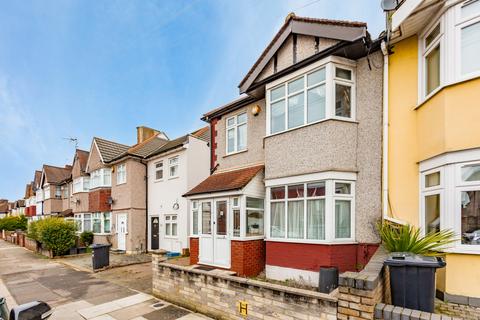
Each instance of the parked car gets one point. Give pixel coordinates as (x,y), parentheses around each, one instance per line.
(35,310)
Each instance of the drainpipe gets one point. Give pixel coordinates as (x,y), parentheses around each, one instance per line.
(146,204)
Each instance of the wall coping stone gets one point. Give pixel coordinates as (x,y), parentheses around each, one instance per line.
(368,278)
(389,312)
(251,282)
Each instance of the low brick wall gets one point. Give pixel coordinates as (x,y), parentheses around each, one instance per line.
(389,312)
(31,244)
(224,297)
(359,292)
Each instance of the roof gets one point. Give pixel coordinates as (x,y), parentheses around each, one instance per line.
(170,145)
(203,133)
(226,181)
(146,147)
(82,157)
(109,150)
(3,205)
(289,27)
(57,174)
(28,190)
(37,178)
(237,103)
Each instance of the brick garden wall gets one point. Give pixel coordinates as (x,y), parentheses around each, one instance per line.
(193,250)
(248,257)
(220,296)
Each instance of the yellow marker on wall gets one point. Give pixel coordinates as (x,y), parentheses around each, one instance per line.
(243,308)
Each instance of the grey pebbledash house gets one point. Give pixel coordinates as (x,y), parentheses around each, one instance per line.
(295,160)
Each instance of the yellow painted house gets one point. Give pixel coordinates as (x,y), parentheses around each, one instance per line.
(432,163)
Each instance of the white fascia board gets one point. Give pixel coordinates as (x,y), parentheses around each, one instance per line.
(326,175)
(402,13)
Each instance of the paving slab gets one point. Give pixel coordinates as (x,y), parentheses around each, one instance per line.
(104,308)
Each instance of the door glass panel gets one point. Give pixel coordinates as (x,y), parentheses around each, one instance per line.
(221,218)
(206,218)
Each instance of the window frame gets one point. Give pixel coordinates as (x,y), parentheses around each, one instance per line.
(235,127)
(170,221)
(330,197)
(245,235)
(157,170)
(177,164)
(425,51)
(121,172)
(461,23)
(194,207)
(330,64)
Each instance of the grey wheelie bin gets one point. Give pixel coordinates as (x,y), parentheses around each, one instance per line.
(412,280)
(100,256)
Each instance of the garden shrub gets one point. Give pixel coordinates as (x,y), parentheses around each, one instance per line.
(87,237)
(32,231)
(56,234)
(13,223)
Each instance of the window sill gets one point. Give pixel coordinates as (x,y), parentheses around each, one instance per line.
(234,153)
(247,238)
(341,119)
(463,250)
(159,180)
(172,178)
(119,184)
(171,237)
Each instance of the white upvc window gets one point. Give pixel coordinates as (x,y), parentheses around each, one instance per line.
(324,91)
(315,212)
(194,227)
(87,222)
(81,184)
(121,173)
(58,192)
(173,167)
(46,192)
(432,48)
(236,134)
(101,178)
(77,218)
(254,217)
(171,229)
(237,218)
(468,38)
(450,198)
(159,170)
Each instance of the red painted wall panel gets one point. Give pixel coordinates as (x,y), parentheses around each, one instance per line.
(98,200)
(347,257)
(248,257)
(193,251)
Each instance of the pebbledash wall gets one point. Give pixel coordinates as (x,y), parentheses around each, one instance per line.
(226,297)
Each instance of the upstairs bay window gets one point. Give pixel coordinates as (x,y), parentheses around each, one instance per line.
(81,184)
(316,211)
(58,192)
(237,133)
(101,178)
(325,92)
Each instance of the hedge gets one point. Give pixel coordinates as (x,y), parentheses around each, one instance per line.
(56,234)
(12,223)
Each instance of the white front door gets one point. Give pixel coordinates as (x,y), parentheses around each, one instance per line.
(214,239)
(122,231)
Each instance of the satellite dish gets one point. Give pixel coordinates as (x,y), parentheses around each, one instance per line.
(389,5)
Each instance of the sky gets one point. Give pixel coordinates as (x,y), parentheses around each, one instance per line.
(79,69)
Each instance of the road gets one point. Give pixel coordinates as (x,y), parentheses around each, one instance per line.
(75,294)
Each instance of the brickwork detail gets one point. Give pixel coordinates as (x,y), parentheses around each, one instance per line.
(218,295)
(193,251)
(248,257)
(98,200)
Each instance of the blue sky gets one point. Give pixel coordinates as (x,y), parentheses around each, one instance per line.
(101,68)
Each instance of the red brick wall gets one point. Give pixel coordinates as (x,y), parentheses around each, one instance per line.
(98,200)
(347,257)
(193,251)
(248,257)
(213,143)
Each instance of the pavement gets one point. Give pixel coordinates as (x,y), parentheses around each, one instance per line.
(115,294)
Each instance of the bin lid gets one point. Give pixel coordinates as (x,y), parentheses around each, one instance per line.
(415,260)
(99,245)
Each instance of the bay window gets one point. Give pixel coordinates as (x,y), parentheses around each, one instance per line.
(300,211)
(58,192)
(327,91)
(101,178)
(121,173)
(236,127)
(97,222)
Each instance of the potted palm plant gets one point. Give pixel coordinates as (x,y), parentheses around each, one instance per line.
(413,262)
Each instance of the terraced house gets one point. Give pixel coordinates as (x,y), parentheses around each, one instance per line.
(433,167)
(52,181)
(296,160)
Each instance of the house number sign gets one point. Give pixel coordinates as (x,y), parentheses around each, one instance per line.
(243,308)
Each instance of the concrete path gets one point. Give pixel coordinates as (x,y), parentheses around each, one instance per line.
(25,276)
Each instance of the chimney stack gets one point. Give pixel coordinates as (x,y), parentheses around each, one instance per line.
(143,133)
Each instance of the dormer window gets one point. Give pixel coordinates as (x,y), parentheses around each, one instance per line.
(325,90)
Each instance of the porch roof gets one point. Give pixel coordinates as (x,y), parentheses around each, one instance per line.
(226,181)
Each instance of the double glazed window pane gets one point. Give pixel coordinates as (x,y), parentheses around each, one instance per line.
(277,93)
(342,219)
(471,173)
(432,179)
(432,213)
(470,8)
(106,222)
(470,47)
(236,223)
(295,219)
(295,110)
(278,116)
(277,220)
(254,222)
(470,220)
(206,218)
(316,219)
(343,74)
(432,65)
(195,222)
(343,102)
(432,36)
(316,77)
(231,140)
(242,137)
(295,86)
(316,104)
